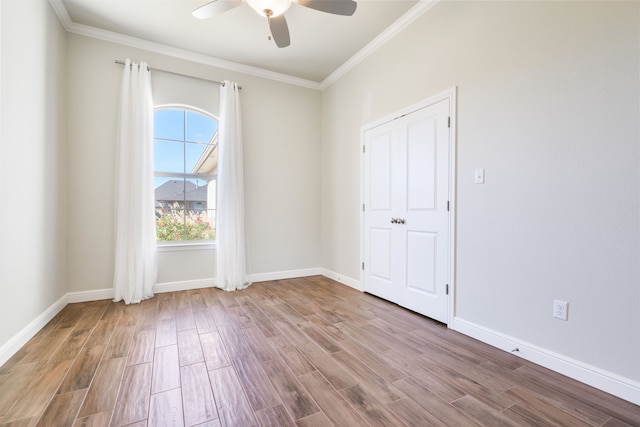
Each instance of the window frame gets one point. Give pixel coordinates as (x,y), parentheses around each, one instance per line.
(185,245)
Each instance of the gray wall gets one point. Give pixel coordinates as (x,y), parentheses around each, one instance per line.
(282,163)
(548,103)
(33,194)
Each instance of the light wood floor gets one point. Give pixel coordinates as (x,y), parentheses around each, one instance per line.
(305,352)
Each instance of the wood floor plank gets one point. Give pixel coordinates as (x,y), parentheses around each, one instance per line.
(274,416)
(482,413)
(197,398)
(570,404)
(185,319)
(293,358)
(260,345)
(101,333)
(558,384)
(615,422)
(13,361)
(166,372)
(319,419)
(337,376)
(38,391)
(92,315)
(366,339)
(319,337)
(166,306)
(48,346)
(233,407)
(204,321)
(294,397)
(103,391)
(524,417)
(83,369)
(372,361)
(369,408)
(382,390)
(166,332)
(196,299)
(15,384)
(95,420)
(434,404)
(412,414)
(255,382)
(330,401)
(63,409)
(240,317)
(143,347)
(234,341)
(189,348)
(132,404)
(120,343)
(215,355)
(261,321)
(391,341)
(166,409)
(550,413)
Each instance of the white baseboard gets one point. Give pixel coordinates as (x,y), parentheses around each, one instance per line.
(281,275)
(11,347)
(84,296)
(159,288)
(609,382)
(353,283)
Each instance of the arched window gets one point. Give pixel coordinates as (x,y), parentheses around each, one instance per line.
(186,166)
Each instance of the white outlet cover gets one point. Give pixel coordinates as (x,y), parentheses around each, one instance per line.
(560,309)
(479,176)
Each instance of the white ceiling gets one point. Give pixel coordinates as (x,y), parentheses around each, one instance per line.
(321,43)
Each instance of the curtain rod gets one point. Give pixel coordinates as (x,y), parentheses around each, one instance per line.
(180,74)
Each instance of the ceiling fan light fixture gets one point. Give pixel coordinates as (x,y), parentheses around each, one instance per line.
(270,8)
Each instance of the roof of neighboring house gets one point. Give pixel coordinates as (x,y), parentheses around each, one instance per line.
(178,190)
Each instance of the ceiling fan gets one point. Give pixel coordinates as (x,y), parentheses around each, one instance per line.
(274,11)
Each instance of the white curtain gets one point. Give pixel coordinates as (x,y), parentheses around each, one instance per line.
(231,254)
(135,269)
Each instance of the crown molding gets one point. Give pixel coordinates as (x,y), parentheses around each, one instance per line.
(85,30)
(110,36)
(405,20)
(61,11)
(113,37)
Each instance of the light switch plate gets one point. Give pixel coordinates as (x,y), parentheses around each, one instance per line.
(479,176)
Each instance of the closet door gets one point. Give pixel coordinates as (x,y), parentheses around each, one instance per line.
(406,217)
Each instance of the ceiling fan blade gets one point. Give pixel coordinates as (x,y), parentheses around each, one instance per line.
(336,7)
(280,31)
(215,7)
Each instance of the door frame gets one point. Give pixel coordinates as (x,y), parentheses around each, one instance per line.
(451,95)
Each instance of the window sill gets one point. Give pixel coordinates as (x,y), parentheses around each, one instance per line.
(186,246)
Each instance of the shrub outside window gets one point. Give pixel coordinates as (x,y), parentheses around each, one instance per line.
(185,164)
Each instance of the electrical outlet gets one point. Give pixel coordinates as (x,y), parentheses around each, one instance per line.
(560,309)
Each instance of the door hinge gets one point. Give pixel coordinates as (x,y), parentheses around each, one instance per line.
(363,149)
(448,122)
(447,289)
(363,207)
(363,265)
(447,205)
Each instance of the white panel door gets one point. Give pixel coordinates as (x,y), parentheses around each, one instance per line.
(406,217)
